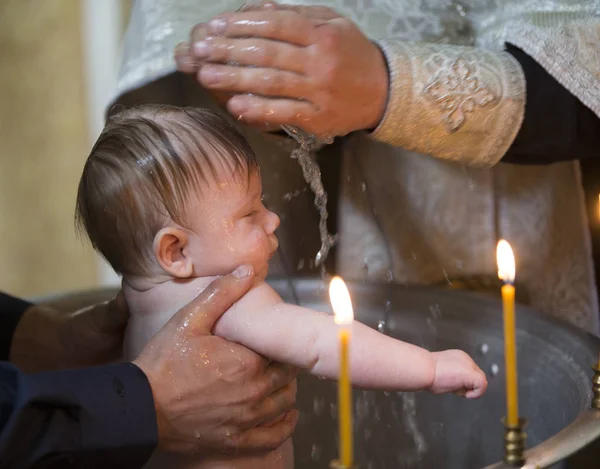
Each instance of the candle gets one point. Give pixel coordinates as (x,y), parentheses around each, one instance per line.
(344,316)
(506,272)
(598,364)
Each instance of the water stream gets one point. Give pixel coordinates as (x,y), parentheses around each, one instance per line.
(307,145)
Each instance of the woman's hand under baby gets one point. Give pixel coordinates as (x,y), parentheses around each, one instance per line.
(456,372)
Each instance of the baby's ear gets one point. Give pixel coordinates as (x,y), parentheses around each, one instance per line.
(170,251)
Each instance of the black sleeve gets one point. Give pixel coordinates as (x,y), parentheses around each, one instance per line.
(11,310)
(557,126)
(90,418)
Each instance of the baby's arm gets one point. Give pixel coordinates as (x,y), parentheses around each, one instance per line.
(308,339)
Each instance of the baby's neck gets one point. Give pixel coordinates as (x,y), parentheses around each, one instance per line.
(157,302)
(151,305)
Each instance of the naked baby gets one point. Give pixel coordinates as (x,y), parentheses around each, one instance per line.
(172,198)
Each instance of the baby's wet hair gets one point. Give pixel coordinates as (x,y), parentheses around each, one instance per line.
(146,164)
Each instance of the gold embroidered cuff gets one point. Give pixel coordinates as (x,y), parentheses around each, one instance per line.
(458,103)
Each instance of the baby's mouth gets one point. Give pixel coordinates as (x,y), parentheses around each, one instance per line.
(275,247)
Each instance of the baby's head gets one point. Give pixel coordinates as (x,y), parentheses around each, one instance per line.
(171,192)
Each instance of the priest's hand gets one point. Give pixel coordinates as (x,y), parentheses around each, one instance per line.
(299,66)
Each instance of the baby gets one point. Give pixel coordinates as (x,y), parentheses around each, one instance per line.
(172,198)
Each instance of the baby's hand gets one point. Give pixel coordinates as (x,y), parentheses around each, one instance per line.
(456,372)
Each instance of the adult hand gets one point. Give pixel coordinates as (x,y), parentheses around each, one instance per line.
(211,395)
(188,63)
(301,66)
(48,339)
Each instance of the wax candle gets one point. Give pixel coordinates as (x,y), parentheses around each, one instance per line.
(598,364)
(506,272)
(344,316)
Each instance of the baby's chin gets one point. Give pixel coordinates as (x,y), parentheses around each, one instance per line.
(262,273)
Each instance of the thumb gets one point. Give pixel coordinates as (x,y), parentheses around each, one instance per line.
(201,314)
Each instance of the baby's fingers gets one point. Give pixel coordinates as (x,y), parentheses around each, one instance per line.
(478,387)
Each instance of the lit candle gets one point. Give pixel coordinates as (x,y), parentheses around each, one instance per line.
(506,272)
(598,365)
(344,316)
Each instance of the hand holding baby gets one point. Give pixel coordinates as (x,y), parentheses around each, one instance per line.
(212,396)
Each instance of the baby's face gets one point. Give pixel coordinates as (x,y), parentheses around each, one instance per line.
(231,227)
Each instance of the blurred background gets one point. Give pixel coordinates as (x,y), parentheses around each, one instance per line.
(58,63)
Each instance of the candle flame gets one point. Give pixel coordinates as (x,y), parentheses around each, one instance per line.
(506,262)
(340,301)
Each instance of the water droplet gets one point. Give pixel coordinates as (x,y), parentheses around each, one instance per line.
(291,195)
(387,393)
(494,369)
(300,264)
(484,349)
(381,326)
(389,276)
(333,410)
(388,306)
(318,405)
(447,277)
(365,267)
(318,258)
(363,187)
(435,310)
(315,452)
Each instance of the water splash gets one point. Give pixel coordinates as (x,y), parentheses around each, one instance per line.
(409,407)
(318,405)
(315,452)
(307,144)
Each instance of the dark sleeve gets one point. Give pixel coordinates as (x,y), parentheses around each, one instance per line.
(557,126)
(11,310)
(90,418)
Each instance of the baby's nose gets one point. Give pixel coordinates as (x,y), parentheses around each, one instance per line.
(273,222)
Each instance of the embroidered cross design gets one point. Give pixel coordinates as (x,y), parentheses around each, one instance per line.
(457,91)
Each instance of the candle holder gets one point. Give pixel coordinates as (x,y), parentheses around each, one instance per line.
(596,387)
(514,443)
(335,464)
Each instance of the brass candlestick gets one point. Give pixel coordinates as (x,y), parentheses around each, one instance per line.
(338,465)
(596,387)
(514,444)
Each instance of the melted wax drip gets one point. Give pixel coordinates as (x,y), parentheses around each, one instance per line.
(307,144)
